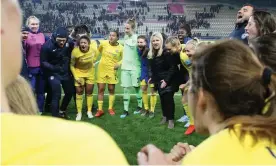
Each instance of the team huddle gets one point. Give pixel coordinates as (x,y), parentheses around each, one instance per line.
(76,63)
(231,93)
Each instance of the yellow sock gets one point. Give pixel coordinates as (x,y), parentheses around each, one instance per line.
(145,100)
(153,100)
(111,101)
(79,101)
(89,102)
(188,113)
(100,105)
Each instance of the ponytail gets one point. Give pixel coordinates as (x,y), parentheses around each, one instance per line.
(261,126)
(132,23)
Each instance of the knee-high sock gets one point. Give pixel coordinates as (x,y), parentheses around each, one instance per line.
(126,99)
(145,100)
(89,102)
(111,101)
(139,97)
(79,101)
(153,100)
(100,105)
(182,92)
(188,113)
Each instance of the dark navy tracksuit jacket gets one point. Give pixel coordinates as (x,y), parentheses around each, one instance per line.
(55,63)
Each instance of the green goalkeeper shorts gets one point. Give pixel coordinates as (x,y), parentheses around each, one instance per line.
(130,78)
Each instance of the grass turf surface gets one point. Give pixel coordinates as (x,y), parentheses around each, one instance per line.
(135,131)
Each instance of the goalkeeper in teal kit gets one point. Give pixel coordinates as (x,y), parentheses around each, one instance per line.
(131,68)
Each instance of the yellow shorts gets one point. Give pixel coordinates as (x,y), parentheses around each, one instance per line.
(85,80)
(143,83)
(106,79)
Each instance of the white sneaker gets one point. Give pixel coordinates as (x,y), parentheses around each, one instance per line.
(89,114)
(187,124)
(183,119)
(78,118)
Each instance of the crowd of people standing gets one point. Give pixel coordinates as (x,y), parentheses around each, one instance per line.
(232,103)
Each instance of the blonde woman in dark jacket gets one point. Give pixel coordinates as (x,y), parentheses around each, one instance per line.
(162,73)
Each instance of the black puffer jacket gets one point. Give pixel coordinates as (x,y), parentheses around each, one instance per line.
(165,68)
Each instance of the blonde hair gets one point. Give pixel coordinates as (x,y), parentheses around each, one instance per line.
(174,41)
(132,23)
(21,98)
(31,17)
(160,51)
(195,41)
(198,45)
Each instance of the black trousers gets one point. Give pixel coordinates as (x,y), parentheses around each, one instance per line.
(48,100)
(68,88)
(167,104)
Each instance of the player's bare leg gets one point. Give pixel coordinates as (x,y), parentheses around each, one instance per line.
(111,98)
(79,101)
(145,100)
(89,99)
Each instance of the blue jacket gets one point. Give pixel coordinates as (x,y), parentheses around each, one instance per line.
(239,32)
(55,61)
(144,64)
(186,39)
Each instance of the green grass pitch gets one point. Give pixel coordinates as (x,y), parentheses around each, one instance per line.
(134,132)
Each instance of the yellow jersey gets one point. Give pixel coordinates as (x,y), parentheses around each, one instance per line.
(36,140)
(82,64)
(185,60)
(224,148)
(94,45)
(111,55)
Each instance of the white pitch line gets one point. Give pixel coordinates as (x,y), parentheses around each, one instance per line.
(121,94)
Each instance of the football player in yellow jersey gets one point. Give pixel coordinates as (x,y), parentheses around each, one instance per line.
(190,50)
(184,71)
(184,34)
(111,56)
(83,70)
(75,34)
(234,104)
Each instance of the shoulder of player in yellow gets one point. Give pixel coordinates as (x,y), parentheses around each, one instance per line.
(44,136)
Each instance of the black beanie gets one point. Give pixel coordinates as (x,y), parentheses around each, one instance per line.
(61,32)
(24,29)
